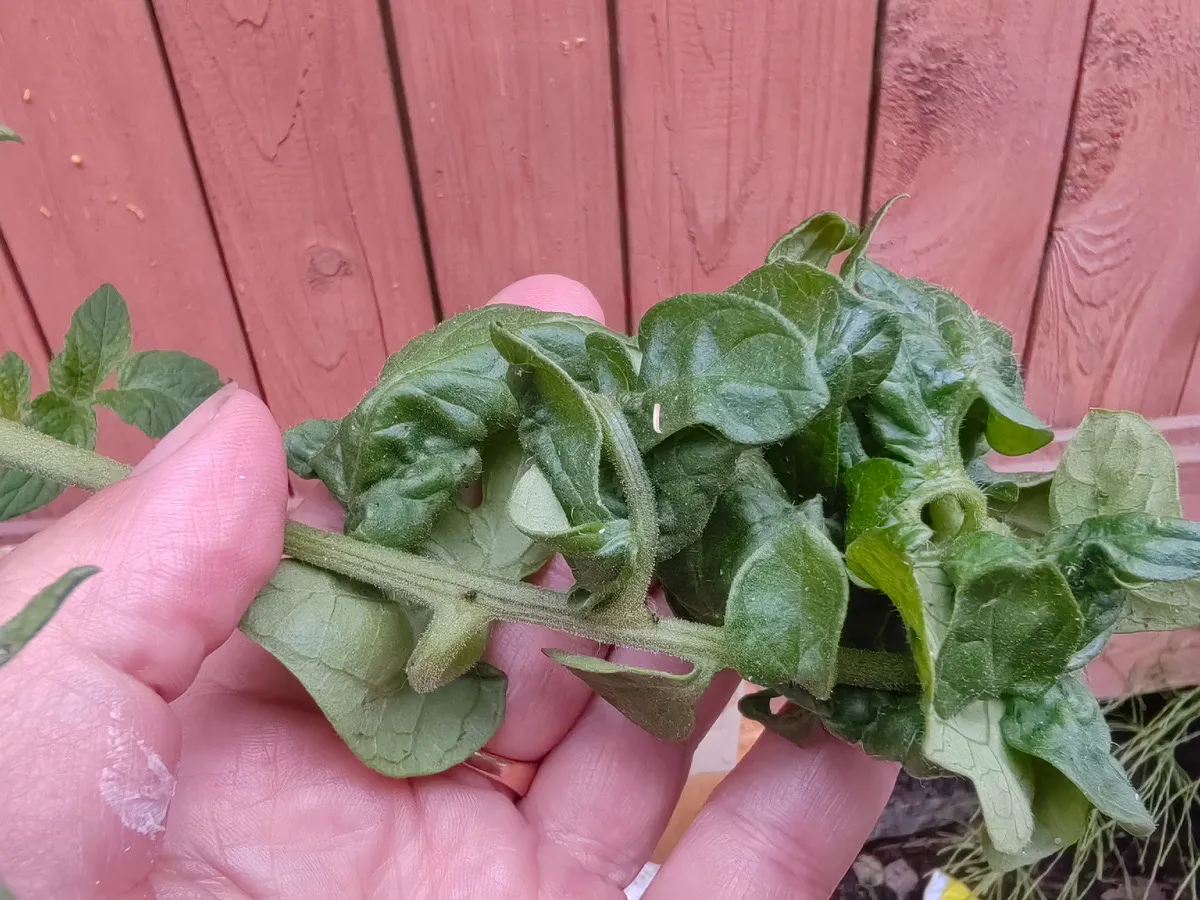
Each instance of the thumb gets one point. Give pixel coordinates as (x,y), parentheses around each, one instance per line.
(182,545)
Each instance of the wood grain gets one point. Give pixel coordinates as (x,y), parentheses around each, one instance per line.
(1146,663)
(1189,401)
(131,212)
(294,122)
(512,122)
(18,330)
(974,106)
(1117,323)
(740,120)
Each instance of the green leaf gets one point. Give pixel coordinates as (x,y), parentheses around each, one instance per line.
(1060,815)
(1130,572)
(1164,606)
(1014,626)
(970,745)
(816,240)
(349,648)
(857,255)
(59,418)
(856,342)
(18,631)
(876,488)
(662,703)
(451,642)
(887,725)
(727,362)
(842,325)
(483,538)
(613,362)
(792,723)
(949,358)
(415,438)
(559,428)
(1066,728)
(1139,548)
(1021,500)
(600,551)
(98,339)
(14,386)
(698,579)
(689,471)
(896,561)
(1116,463)
(769,571)
(314,451)
(157,389)
(786,607)
(568,432)
(7,134)
(1103,601)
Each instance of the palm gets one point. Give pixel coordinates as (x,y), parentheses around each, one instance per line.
(270,803)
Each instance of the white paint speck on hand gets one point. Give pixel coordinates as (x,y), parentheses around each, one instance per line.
(135,783)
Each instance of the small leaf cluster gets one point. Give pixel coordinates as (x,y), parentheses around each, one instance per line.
(155,390)
(800,462)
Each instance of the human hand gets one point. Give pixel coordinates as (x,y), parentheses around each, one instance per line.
(150,750)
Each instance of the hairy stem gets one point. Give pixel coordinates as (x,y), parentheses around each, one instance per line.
(435,585)
(872,669)
(432,583)
(38,454)
(622,451)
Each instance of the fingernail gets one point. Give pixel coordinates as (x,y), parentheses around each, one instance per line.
(182,434)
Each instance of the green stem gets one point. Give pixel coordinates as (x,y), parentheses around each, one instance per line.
(435,585)
(872,669)
(622,450)
(946,516)
(38,454)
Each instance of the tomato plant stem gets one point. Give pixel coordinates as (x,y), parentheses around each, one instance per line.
(435,585)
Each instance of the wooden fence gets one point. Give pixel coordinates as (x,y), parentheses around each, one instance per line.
(294,189)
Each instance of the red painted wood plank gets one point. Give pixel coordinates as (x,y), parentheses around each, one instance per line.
(740,119)
(1189,401)
(974,107)
(512,121)
(294,122)
(18,330)
(1118,319)
(131,211)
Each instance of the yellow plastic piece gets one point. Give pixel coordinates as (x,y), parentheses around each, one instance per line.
(942,887)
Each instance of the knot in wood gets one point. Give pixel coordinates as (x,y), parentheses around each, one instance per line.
(325,266)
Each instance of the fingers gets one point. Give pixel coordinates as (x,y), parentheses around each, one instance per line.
(604,795)
(787,822)
(182,546)
(544,699)
(552,293)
